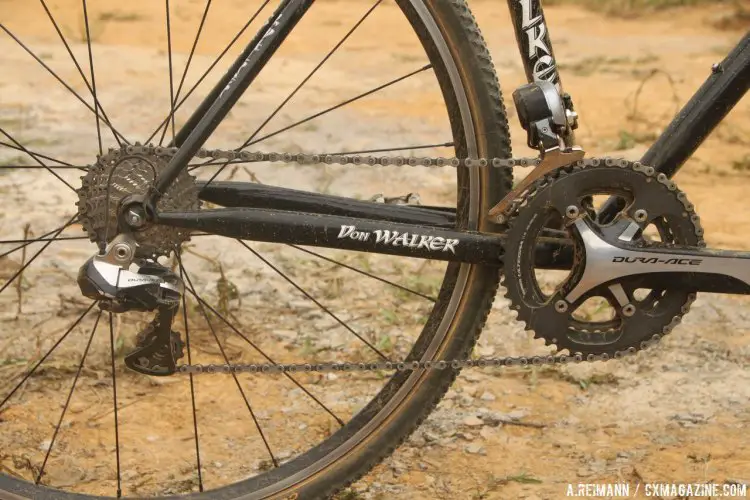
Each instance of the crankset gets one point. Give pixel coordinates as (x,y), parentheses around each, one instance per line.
(608,302)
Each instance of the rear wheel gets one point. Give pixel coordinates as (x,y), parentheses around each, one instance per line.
(333,430)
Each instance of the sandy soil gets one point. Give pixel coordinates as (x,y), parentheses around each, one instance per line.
(678,413)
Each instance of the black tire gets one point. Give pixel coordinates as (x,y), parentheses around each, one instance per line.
(480,128)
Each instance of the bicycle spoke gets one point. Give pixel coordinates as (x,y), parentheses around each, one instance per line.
(165,122)
(41,238)
(299,86)
(312,73)
(402,148)
(314,300)
(171,72)
(30,373)
(268,358)
(17,148)
(67,401)
(22,148)
(93,76)
(192,384)
(67,238)
(39,252)
(226,360)
(78,66)
(187,67)
(38,167)
(114,398)
(62,82)
(365,273)
(340,105)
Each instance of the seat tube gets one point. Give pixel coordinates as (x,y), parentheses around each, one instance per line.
(532,36)
(533,39)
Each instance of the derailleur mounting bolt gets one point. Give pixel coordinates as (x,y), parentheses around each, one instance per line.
(572,212)
(628,310)
(123,252)
(134,218)
(640,215)
(561,306)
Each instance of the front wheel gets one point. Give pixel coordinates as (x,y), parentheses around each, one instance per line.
(350,433)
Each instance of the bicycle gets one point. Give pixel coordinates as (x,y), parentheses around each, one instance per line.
(640,251)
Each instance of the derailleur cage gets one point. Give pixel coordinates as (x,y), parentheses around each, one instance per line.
(107,278)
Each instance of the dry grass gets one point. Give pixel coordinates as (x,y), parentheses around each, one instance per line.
(733,14)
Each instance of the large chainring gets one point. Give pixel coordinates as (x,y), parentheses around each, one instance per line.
(549,205)
(131,171)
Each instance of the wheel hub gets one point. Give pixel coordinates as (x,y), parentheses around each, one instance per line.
(125,172)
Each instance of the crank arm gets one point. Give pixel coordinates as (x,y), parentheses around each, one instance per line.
(360,234)
(698,269)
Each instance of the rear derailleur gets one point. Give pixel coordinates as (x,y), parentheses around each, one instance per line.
(107,277)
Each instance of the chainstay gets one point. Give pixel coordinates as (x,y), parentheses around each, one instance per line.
(431,162)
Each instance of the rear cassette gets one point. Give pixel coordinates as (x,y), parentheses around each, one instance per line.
(126,172)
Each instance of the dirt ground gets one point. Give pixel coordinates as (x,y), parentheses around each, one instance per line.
(679,413)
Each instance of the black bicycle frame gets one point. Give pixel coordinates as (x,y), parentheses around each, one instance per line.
(426,232)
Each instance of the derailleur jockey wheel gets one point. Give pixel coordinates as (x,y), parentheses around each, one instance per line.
(616,316)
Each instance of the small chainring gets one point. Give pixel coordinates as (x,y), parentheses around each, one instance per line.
(125,172)
(553,203)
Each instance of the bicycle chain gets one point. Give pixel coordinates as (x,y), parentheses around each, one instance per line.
(430,162)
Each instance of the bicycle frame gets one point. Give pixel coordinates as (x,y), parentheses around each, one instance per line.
(327,221)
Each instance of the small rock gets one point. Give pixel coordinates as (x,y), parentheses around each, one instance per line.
(475,449)
(129,474)
(44,446)
(487,396)
(285,334)
(466,436)
(152,439)
(430,437)
(486,351)
(473,421)
(487,432)
(417,440)
(466,400)
(516,415)
(218,465)
(691,418)
(583,472)
(623,454)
